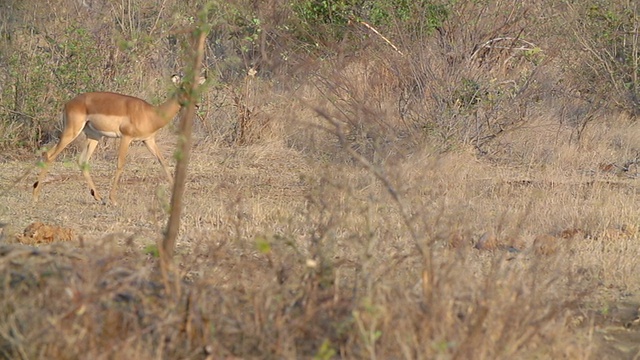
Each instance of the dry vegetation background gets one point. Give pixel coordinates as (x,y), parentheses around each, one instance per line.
(471,193)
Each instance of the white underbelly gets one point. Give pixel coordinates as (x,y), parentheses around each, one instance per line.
(103,126)
(91,130)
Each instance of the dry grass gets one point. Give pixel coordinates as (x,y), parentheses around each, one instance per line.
(284,256)
(365,205)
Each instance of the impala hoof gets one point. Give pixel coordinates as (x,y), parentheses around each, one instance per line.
(97,197)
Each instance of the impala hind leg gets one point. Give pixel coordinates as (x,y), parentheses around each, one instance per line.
(83,162)
(122,154)
(68,135)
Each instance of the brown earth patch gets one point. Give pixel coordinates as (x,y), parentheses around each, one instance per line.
(40,233)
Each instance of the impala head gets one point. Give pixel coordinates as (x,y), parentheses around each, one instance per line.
(182,93)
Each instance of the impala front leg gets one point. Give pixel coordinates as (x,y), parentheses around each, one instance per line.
(122,154)
(153,149)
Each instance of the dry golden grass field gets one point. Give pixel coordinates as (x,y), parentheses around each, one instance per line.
(421,180)
(284,254)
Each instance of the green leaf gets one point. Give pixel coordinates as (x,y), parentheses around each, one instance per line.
(263,245)
(152,249)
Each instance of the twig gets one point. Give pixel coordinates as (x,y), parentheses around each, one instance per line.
(488,45)
(381,36)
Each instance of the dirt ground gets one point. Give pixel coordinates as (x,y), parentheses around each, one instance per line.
(143,193)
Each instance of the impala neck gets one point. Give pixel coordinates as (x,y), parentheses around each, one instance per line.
(168,109)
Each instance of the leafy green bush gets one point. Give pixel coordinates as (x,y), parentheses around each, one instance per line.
(57,68)
(608,32)
(79,59)
(326,21)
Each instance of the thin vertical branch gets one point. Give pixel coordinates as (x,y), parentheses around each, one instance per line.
(184,146)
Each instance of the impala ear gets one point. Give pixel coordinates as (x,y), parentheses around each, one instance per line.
(176,79)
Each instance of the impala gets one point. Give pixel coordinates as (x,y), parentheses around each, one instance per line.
(105,114)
